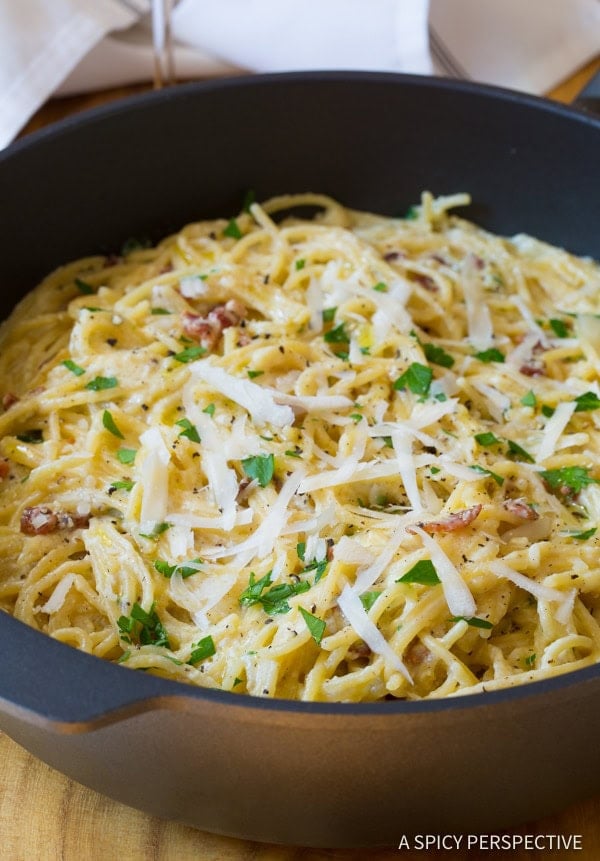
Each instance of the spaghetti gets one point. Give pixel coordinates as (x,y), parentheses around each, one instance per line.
(338,458)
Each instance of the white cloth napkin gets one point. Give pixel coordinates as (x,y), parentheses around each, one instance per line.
(69,46)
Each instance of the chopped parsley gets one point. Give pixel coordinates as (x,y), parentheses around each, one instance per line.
(126,455)
(110,424)
(209,410)
(547,411)
(423,573)
(297,452)
(474,621)
(204,648)
(381,287)
(100,383)
(416,377)
(156,532)
(529,400)
(159,311)
(412,213)
(274,601)
(315,625)
(518,451)
(530,660)
(33,436)
(328,314)
(125,484)
(74,368)
(583,536)
(337,335)
(254,374)
(367,599)
(84,288)
(491,355)
(189,354)
(189,431)
(568,480)
(497,478)
(186,569)
(144,628)
(249,199)
(587,402)
(233,230)
(356,417)
(318,567)
(300,264)
(487,439)
(261,467)
(438,355)
(301,550)
(560,329)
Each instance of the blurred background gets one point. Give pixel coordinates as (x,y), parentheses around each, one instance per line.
(67,48)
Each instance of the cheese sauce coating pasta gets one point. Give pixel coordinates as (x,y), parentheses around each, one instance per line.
(337,458)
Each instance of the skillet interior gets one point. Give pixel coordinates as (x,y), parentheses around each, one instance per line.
(284,771)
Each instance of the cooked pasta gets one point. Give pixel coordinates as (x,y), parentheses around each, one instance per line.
(343,457)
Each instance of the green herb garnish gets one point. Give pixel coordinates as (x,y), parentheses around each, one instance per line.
(438,355)
(487,439)
(159,311)
(189,431)
(189,354)
(110,424)
(126,455)
(491,355)
(529,400)
(209,410)
(568,480)
(315,625)
(474,621)
(33,436)
(233,230)
(274,601)
(559,328)
(75,369)
(587,402)
(518,451)
(125,484)
(367,599)
(381,287)
(328,314)
(417,378)
(261,467)
(204,648)
(497,478)
(98,384)
(143,628)
(254,374)
(583,536)
(84,288)
(337,335)
(300,264)
(423,572)
(157,531)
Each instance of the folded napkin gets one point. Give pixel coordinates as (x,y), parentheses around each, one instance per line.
(70,46)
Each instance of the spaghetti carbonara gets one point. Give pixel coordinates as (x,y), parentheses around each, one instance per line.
(339,458)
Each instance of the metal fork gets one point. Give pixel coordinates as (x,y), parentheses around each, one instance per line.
(162,40)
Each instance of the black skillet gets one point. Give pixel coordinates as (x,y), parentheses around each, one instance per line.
(310,774)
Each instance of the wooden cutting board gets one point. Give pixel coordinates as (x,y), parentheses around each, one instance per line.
(44,816)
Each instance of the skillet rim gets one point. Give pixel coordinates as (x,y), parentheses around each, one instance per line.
(140,688)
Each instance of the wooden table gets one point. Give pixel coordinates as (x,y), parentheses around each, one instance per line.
(44,816)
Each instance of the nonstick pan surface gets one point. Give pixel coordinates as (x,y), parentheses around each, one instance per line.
(311,774)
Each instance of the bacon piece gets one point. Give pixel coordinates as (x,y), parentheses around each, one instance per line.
(4,468)
(520,508)
(454,521)
(425,281)
(39,520)
(208,330)
(8,400)
(416,654)
(532,370)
